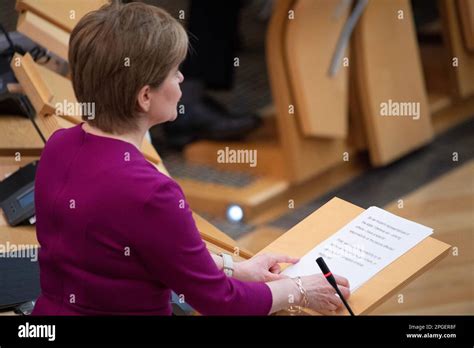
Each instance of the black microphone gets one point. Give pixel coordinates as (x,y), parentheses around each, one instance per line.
(330,278)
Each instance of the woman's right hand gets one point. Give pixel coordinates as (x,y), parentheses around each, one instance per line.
(321,295)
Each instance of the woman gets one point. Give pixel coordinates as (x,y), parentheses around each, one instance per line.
(116,235)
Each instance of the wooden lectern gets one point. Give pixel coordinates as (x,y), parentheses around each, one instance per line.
(334,215)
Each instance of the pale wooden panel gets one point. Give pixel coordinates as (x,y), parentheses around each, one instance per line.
(61,90)
(389,69)
(462,81)
(32,83)
(62,13)
(17,133)
(20,236)
(321,100)
(466,15)
(44,33)
(329,219)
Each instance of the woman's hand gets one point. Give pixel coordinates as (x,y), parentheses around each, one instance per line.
(322,296)
(262,268)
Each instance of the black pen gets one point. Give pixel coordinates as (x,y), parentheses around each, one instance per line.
(330,278)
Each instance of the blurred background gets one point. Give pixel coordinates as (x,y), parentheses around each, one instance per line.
(305,86)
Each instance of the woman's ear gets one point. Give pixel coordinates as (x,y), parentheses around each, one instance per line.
(144,99)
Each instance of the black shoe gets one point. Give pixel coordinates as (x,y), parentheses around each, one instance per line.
(208,120)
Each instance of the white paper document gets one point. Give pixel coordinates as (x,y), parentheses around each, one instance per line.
(363,247)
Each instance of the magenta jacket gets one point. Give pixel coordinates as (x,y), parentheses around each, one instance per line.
(117,236)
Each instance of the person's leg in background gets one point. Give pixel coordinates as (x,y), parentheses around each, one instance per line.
(213,28)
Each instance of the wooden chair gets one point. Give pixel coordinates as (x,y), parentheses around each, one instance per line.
(320,99)
(388,72)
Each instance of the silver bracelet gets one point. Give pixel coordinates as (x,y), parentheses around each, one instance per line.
(302,290)
(296,310)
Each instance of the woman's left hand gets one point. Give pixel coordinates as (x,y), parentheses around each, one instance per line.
(262,268)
